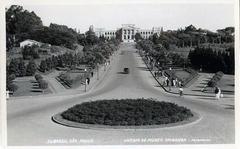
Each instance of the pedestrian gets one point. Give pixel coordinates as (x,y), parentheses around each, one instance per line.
(167,81)
(217,93)
(180,91)
(171,81)
(88,81)
(174,82)
(92,73)
(179,83)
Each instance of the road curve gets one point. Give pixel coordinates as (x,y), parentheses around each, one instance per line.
(29,120)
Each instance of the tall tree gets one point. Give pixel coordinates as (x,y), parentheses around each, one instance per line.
(31,68)
(21,68)
(20,23)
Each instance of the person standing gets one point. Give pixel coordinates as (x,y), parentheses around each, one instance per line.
(166,81)
(174,82)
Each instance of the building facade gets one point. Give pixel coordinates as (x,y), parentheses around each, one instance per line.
(29,42)
(127,32)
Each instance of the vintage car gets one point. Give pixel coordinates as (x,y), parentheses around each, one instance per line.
(126,70)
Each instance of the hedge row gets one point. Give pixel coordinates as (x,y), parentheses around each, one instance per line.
(42,83)
(215,79)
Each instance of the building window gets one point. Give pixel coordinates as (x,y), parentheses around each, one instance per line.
(124,36)
(128,37)
(128,32)
(125,31)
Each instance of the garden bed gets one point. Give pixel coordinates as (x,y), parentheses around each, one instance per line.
(127,112)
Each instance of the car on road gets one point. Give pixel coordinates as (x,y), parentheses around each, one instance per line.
(126,70)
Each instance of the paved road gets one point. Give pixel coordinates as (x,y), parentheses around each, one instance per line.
(29,119)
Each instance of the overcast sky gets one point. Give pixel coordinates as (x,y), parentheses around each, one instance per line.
(210,16)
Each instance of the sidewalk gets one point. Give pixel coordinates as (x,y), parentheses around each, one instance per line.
(195,89)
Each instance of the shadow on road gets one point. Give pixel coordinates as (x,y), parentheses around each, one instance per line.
(121,72)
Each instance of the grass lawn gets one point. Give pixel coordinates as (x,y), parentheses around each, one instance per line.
(182,74)
(226,84)
(127,112)
(27,86)
(73,79)
(77,77)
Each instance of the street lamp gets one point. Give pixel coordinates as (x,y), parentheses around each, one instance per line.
(97,71)
(85,72)
(105,66)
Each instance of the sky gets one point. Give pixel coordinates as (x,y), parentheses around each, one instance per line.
(170,16)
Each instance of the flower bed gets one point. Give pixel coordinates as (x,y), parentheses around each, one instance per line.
(127,112)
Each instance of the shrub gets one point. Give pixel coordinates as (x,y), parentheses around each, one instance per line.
(12,87)
(217,77)
(43,84)
(127,112)
(38,77)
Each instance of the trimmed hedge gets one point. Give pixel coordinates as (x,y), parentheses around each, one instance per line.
(38,77)
(127,112)
(217,77)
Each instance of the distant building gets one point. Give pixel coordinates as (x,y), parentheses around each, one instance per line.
(127,32)
(30,42)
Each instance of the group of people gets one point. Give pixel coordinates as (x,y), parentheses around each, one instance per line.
(175,83)
(172,82)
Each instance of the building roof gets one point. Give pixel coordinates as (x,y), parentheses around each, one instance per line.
(30,40)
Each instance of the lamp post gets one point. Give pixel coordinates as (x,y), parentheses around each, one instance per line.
(85,72)
(105,66)
(97,71)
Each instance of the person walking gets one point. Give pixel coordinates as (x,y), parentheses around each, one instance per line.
(217,93)
(179,83)
(88,81)
(180,91)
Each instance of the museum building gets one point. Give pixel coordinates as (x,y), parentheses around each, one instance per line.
(127,32)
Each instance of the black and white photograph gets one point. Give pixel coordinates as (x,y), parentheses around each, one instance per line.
(121,73)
